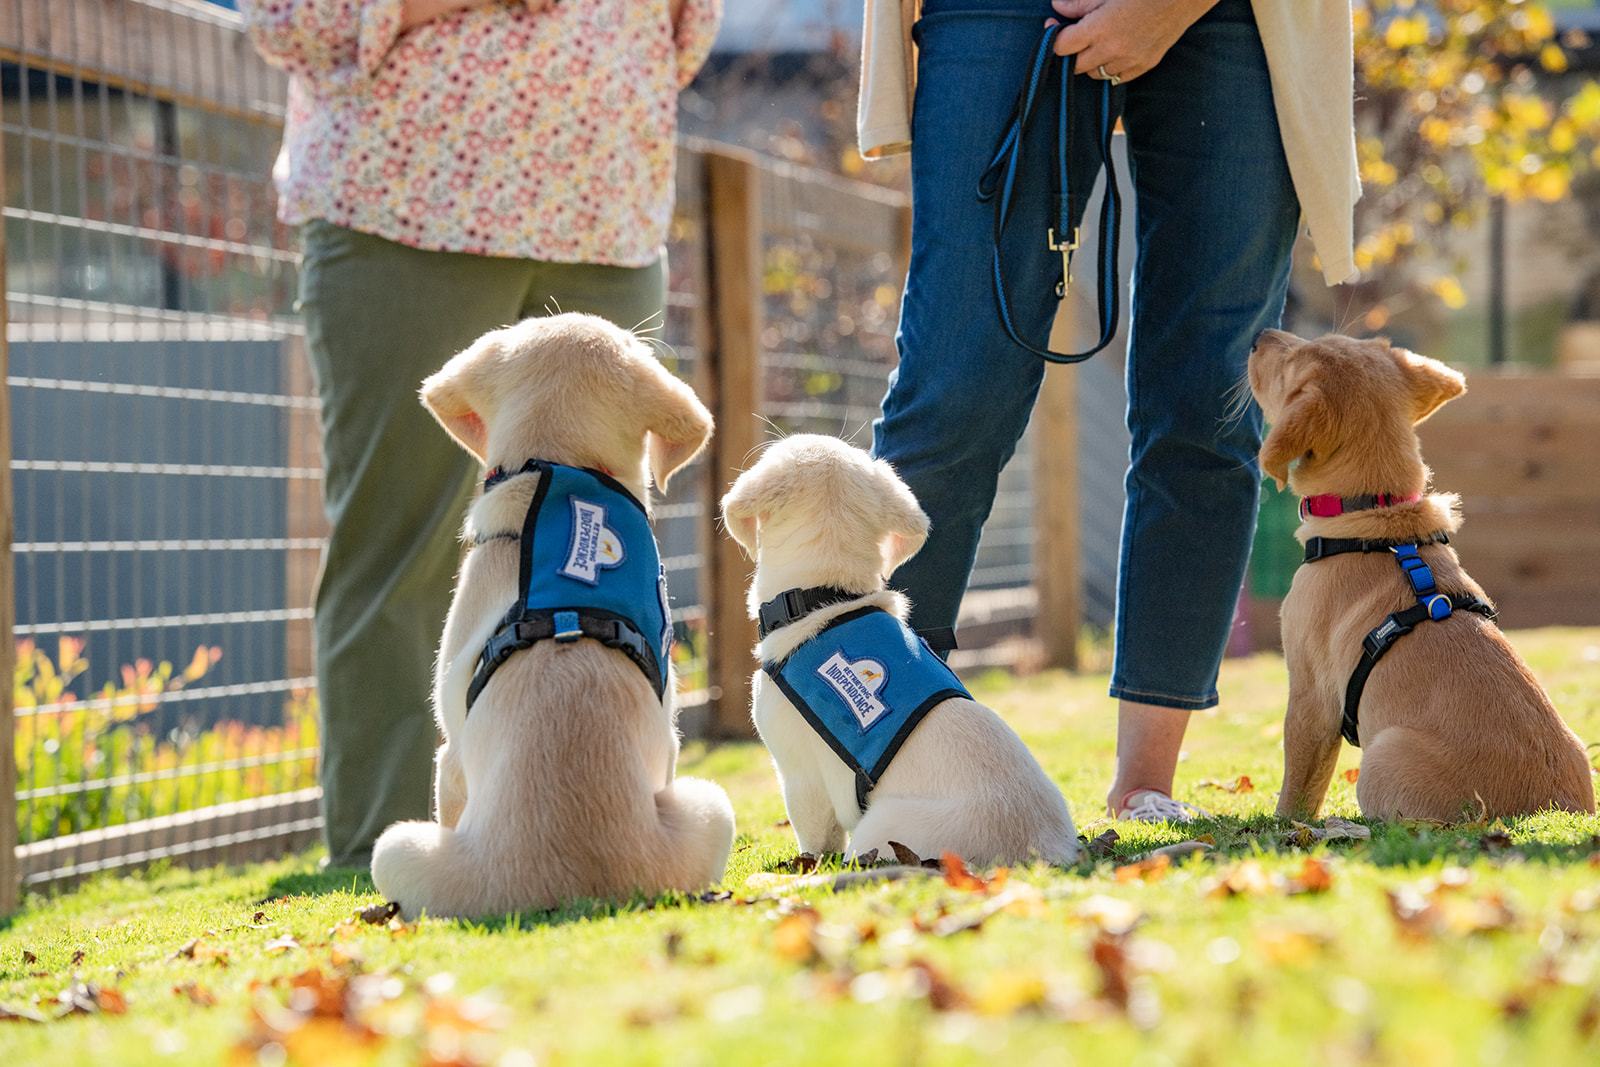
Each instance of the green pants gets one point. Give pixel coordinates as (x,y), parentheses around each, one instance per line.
(379,318)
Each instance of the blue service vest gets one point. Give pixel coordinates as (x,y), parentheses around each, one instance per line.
(864,683)
(590,567)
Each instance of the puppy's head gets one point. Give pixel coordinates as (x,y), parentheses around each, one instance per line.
(1341,411)
(817,501)
(570,388)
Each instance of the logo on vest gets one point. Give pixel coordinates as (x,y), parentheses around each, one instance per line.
(858,683)
(595,547)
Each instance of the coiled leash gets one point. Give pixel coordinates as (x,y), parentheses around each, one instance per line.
(999,181)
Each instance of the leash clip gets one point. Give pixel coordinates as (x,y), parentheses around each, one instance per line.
(1066,248)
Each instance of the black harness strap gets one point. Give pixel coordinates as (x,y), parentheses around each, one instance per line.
(1379,641)
(522,629)
(1431,605)
(792,605)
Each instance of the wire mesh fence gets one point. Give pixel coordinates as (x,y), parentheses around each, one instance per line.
(162,444)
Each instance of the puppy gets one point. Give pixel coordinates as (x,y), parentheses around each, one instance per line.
(815,512)
(560,784)
(1451,721)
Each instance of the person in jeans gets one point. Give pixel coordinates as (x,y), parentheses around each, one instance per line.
(456,165)
(1238,124)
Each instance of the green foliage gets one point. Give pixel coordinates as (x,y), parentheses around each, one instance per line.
(1459,100)
(84,763)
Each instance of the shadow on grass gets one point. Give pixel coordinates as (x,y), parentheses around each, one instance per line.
(320,882)
(1549,837)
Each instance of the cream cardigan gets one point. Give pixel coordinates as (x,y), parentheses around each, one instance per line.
(1310,61)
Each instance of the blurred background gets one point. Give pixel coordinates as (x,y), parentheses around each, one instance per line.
(161,471)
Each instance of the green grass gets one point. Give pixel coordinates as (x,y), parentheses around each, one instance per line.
(1503,968)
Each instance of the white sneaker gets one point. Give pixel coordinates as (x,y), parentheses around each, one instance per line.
(1152,805)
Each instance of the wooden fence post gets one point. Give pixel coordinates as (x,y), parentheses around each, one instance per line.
(9,880)
(1057,565)
(733,216)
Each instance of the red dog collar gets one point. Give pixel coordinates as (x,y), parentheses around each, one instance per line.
(1327,505)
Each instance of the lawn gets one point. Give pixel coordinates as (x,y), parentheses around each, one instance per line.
(1421,945)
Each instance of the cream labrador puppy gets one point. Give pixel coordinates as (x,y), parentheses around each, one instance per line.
(868,732)
(560,783)
(1389,641)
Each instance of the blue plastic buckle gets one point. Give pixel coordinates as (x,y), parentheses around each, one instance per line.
(1417,572)
(567,626)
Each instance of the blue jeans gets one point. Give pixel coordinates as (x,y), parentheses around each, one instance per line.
(1216,220)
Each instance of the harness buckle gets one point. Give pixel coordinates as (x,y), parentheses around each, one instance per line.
(568,627)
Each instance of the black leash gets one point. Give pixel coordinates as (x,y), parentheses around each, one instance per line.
(999,181)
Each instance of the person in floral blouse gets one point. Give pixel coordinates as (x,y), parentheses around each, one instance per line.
(455,165)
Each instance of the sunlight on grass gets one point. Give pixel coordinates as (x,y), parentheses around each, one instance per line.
(1422,945)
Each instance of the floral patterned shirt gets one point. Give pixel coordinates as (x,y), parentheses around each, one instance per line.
(494,131)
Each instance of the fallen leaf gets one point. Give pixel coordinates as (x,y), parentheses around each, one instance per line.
(1353,775)
(87,998)
(1304,834)
(1248,878)
(1241,784)
(28,957)
(956,876)
(1010,992)
(1112,915)
(20,1015)
(1178,850)
(259,917)
(378,914)
(280,944)
(902,854)
(1110,957)
(1315,876)
(942,993)
(77,957)
(1102,846)
(1495,841)
(795,936)
(195,993)
(1146,870)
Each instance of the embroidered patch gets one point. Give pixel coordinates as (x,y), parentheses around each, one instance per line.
(858,683)
(595,546)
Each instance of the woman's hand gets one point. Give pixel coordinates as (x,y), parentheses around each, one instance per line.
(1122,39)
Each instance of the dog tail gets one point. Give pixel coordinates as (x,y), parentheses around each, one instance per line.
(697,832)
(425,867)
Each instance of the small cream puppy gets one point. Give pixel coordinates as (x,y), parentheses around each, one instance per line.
(815,511)
(560,784)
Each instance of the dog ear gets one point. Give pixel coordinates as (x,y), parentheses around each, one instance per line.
(451,394)
(1305,422)
(905,524)
(1431,383)
(677,424)
(742,506)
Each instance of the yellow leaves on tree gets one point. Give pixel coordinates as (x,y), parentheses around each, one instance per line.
(1456,103)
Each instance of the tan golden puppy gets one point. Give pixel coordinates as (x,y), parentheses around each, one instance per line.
(560,784)
(816,512)
(1452,722)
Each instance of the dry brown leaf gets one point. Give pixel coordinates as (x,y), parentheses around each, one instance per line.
(902,854)
(795,936)
(1353,775)
(1110,957)
(1289,946)
(277,945)
(77,957)
(943,994)
(1241,784)
(1315,876)
(378,914)
(1334,829)
(195,993)
(87,998)
(28,957)
(1152,869)
(1112,915)
(1248,878)
(1102,846)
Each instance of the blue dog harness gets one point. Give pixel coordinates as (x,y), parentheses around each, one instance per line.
(1431,605)
(590,567)
(999,181)
(864,683)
